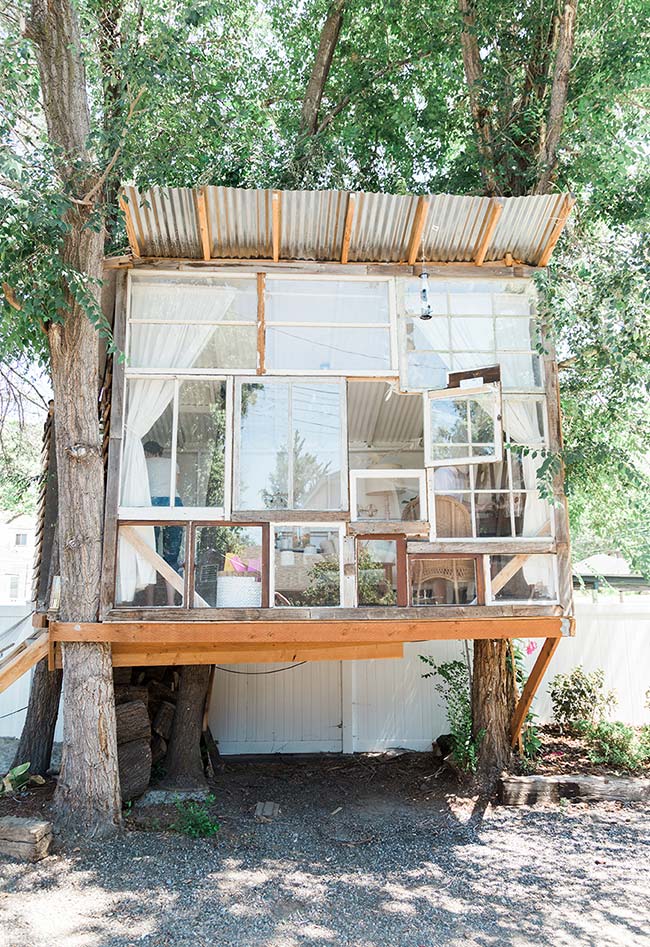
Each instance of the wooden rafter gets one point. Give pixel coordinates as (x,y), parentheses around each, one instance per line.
(419,220)
(261,324)
(276,223)
(494,211)
(190,653)
(565,210)
(23,657)
(530,688)
(130,229)
(204,223)
(347,228)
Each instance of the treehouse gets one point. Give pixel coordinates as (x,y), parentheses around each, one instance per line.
(333,432)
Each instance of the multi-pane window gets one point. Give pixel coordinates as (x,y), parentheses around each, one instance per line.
(463,425)
(192,322)
(332,326)
(290,445)
(306,565)
(21,539)
(474,324)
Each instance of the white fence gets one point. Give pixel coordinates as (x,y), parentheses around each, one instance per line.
(334,706)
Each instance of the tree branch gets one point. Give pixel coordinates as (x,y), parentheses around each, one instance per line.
(321,69)
(474,78)
(87,198)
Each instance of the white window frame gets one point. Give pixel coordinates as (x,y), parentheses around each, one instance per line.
(253,324)
(384,473)
(184,513)
(322,525)
(464,394)
(334,380)
(390,326)
(490,599)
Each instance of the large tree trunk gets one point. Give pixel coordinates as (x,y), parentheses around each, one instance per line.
(321,69)
(87,798)
(36,740)
(491,720)
(183,762)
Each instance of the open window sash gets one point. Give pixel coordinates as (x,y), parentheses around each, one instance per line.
(463,425)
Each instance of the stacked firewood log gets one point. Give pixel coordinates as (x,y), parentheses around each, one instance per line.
(145,702)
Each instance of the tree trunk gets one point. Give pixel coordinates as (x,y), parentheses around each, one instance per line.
(87,797)
(491,721)
(183,762)
(37,737)
(477,96)
(321,68)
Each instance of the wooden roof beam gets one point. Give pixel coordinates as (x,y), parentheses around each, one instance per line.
(204,223)
(347,228)
(419,220)
(494,211)
(565,210)
(276,220)
(130,229)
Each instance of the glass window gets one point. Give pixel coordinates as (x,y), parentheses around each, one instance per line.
(192,322)
(14,587)
(228,567)
(443,581)
(464,425)
(327,325)
(289,446)
(306,566)
(388,495)
(147,447)
(377,572)
(523,578)
(21,539)
(200,451)
(385,428)
(150,565)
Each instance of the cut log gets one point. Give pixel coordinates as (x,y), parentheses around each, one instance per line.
(159,692)
(158,749)
(122,676)
(527,790)
(24,838)
(135,768)
(127,692)
(132,721)
(164,719)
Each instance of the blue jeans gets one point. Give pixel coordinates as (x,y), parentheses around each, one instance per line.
(172,536)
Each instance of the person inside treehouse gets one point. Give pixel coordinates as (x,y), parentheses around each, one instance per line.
(169,539)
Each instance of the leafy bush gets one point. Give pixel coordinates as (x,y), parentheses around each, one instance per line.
(580,696)
(18,778)
(453,684)
(617,745)
(194,819)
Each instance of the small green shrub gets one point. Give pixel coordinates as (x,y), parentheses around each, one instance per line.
(580,696)
(531,742)
(452,681)
(617,745)
(194,819)
(18,778)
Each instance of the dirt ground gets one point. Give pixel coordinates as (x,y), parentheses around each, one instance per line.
(364,853)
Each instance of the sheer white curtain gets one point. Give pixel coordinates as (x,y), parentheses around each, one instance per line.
(161,347)
(522,428)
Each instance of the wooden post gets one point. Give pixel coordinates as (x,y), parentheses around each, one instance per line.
(204,223)
(554,236)
(530,688)
(419,221)
(347,229)
(494,211)
(276,209)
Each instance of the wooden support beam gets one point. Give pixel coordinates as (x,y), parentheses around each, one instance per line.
(23,657)
(347,228)
(530,688)
(190,653)
(261,324)
(554,236)
(130,229)
(204,223)
(494,211)
(419,220)
(276,223)
(313,631)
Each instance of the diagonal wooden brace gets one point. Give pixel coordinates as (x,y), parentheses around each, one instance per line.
(530,688)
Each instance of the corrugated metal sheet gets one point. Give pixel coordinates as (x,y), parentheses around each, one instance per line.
(166,224)
(375,421)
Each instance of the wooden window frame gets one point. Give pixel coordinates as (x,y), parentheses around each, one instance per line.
(465,394)
(479,565)
(400,566)
(335,381)
(378,473)
(491,598)
(333,526)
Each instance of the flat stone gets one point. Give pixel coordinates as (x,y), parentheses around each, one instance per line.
(266,811)
(167,797)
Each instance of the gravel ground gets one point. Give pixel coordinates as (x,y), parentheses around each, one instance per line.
(398,865)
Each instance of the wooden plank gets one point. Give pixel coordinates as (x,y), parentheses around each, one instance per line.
(39,620)
(204,223)
(494,211)
(347,228)
(261,324)
(482,547)
(419,220)
(213,632)
(489,374)
(191,653)
(530,688)
(509,570)
(276,222)
(402,528)
(28,653)
(130,229)
(554,236)
(527,790)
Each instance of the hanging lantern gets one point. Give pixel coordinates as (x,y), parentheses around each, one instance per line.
(425,305)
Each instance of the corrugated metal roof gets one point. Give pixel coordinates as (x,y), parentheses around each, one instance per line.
(310,225)
(379,422)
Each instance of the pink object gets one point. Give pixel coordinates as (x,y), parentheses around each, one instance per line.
(531,646)
(254,565)
(236,563)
